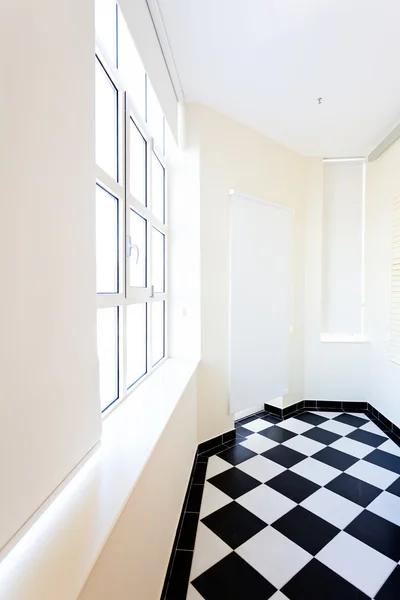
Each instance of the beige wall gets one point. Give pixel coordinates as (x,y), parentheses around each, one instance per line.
(134,560)
(383,376)
(234,156)
(333,371)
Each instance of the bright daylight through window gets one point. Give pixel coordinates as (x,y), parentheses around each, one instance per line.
(131,231)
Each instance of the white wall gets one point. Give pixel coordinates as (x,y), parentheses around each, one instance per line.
(49,409)
(333,371)
(383,376)
(234,156)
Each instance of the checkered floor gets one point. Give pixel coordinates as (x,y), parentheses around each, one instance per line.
(303,509)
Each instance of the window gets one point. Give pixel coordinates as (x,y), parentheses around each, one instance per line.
(131,229)
(395,291)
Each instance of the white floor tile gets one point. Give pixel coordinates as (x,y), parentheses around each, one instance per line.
(213,499)
(193,594)
(328,414)
(387,506)
(316,471)
(295,425)
(258,443)
(273,555)
(304,445)
(278,596)
(261,468)
(381,478)
(372,428)
(352,447)
(356,562)
(216,466)
(391,447)
(332,508)
(208,550)
(266,503)
(337,427)
(257,425)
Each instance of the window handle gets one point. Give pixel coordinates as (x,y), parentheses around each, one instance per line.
(129,247)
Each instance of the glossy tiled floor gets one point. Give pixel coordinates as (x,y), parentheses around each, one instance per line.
(302,509)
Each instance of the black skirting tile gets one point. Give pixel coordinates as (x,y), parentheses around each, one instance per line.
(334,405)
(199,474)
(386,422)
(310,404)
(194,500)
(177,584)
(211,452)
(216,441)
(230,435)
(188,531)
(354,406)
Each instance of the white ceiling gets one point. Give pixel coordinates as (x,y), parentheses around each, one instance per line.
(265,63)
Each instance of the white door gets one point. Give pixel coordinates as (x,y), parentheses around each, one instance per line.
(261,237)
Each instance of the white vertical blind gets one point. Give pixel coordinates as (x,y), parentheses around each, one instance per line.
(342,247)
(259,301)
(395,292)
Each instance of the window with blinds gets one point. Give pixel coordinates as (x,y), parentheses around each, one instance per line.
(395,292)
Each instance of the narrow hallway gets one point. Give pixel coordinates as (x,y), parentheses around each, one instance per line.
(305,508)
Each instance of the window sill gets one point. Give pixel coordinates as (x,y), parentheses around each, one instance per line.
(344,338)
(70,534)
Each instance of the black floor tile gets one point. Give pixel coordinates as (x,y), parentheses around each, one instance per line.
(380,534)
(395,487)
(179,578)
(233,579)
(234,482)
(335,458)
(321,435)
(243,432)
(306,529)
(236,455)
(353,489)
(311,418)
(278,434)
(194,499)
(317,582)
(234,524)
(385,460)
(391,588)
(188,532)
(350,420)
(366,437)
(284,456)
(199,474)
(293,486)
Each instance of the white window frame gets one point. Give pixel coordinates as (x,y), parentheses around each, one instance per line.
(128,295)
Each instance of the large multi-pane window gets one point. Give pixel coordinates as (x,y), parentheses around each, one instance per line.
(131,229)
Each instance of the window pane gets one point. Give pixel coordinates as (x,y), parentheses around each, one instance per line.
(155,117)
(106,26)
(136,342)
(138,164)
(157,334)
(158,262)
(138,258)
(106,122)
(107,348)
(106,241)
(157,189)
(131,66)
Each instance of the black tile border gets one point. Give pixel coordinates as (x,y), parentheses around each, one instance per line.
(178,570)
